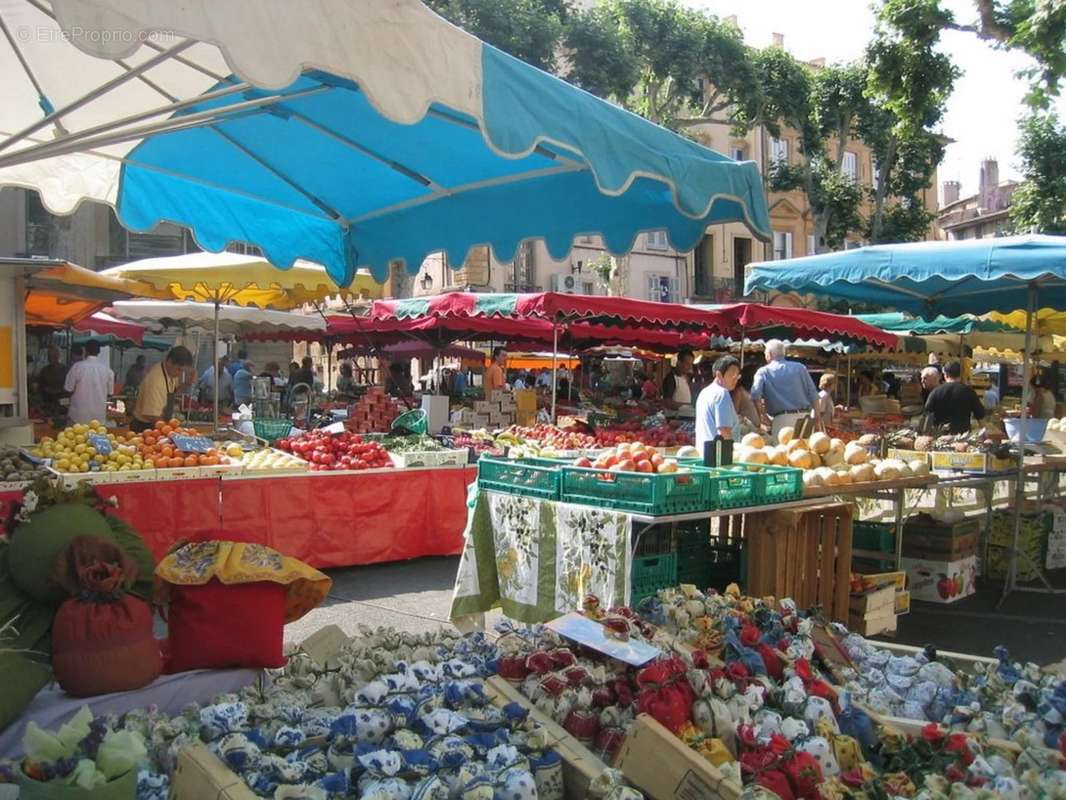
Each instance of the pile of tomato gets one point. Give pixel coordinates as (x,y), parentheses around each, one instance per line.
(155,446)
(328,452)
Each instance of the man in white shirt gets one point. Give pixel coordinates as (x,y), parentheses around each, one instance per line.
(89,382)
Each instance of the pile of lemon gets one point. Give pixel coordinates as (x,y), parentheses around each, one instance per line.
(72,450)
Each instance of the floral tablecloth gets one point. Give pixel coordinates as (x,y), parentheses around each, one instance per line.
(538,559)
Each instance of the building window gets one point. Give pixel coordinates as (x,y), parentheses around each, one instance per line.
(656,240)
(588,287)
(850,166)
(779,150)
(739,153)
(663,288)
(782,245)
(812,244)
(875,174)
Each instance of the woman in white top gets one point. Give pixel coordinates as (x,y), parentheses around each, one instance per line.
(1042,405)
(823,406)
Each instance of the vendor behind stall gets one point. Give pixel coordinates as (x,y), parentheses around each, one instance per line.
(156,398)
(398,384)
(50,382)
(677,385)
(495,376)
(953,402)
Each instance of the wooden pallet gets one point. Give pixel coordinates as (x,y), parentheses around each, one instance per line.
(804,554)
(580,765)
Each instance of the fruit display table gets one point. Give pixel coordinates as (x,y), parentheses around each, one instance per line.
(327,519)
(347,519)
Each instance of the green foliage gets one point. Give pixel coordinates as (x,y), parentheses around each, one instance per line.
(906,220)
(527,29)
(1034,27)
(782,95)
(653,56)
(1039,202)
(835,199)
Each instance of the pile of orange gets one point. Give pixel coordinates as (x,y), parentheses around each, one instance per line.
(155,446)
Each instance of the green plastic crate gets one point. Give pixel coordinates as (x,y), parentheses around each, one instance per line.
(873,536)
(779,484)
(528,477)
(734,487)
(641,492)
(650,574)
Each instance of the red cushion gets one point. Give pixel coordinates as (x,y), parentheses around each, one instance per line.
(226,625)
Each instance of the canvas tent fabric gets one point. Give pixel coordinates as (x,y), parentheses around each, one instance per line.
(349,134)
(929,278)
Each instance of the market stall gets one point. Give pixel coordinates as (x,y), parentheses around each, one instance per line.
(1003,275)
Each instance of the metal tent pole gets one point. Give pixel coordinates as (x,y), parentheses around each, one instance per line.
(214,355)
(555,362)
(1010,585)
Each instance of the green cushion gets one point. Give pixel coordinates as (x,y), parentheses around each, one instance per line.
(135,548)
(23,679)
(36,544)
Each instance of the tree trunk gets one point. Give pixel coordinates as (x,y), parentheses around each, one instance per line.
(883,171)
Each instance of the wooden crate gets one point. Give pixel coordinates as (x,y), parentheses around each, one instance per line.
(665,768)
(804,554)
(200,775)
(580,765)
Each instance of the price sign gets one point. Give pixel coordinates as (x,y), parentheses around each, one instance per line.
(334,429)
(100,443)
(191,444)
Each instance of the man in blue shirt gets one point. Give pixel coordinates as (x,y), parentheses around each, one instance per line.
(716,415)
(242,382)
(783,389)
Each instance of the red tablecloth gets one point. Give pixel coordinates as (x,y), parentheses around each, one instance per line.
(345,520)
(163,512)
(326,520)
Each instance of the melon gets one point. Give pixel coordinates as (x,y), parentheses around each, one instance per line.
(780,456)
(919,466)
(855,453)
(816,460)
(862,473)
(812,479)
(820,443)
(753,440)
(801,459)
(836,444)
(833,458)
(844,475)
(688,451)
(756,456)
(786,435)
(796,444)
(885,471)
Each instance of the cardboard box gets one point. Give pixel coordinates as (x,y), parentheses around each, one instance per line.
(907,456)
(485,407)
(940,581)
(872,603)
(969,462)
(481,421)
(881,623)
(200,774)
(903,603)
(897,579)
(665,768)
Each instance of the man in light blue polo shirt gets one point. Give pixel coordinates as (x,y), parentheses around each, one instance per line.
(715,413)
(783,389)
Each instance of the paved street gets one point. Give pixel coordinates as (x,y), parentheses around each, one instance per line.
(416,596)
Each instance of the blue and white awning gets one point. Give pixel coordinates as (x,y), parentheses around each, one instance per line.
(352,134)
